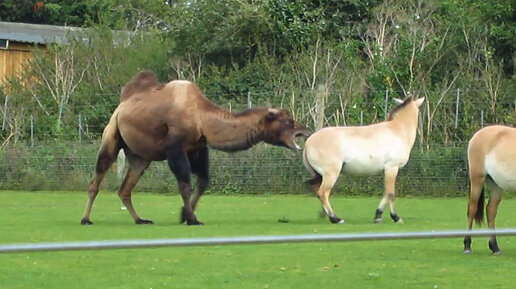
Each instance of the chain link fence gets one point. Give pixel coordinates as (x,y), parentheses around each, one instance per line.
(260,170)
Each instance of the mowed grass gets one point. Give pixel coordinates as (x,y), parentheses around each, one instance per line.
(27,217)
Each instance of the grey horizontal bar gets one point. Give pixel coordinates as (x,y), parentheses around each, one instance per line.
(219,241)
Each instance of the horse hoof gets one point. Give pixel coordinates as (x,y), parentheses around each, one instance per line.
(466,251)
(378,221)
(336,220)
(497,253)
(86,222)
(143,222)
(400,221)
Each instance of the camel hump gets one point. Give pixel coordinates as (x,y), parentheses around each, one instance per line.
(142,81)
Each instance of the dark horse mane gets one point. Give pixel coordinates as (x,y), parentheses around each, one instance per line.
(142,81)
(395,110)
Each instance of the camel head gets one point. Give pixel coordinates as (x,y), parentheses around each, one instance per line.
(281,129)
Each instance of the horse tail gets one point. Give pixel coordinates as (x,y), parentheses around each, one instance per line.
(479,216)
(316,181)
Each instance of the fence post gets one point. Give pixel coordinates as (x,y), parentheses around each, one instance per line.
(361,118)
(482,118)
(32,130)
(80,127)
(319,106)
(386,102)
(5,111)
(457,109)
(249,104)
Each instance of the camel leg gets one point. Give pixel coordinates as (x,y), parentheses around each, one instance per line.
(328,181)
(180,166)
(199,162)
(492,209)
(389,196)
(137,165)
(476,185)
(109,148)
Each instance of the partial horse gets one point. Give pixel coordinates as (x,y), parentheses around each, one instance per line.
(362,151)
(491,160)
(177,123)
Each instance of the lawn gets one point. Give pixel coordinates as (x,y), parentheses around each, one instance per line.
(438,263)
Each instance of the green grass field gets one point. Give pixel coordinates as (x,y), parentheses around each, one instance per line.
(438,263)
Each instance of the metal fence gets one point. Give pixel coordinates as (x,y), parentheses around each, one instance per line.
(262,169)
(220,241)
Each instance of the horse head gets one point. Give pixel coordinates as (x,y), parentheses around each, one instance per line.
(281,129)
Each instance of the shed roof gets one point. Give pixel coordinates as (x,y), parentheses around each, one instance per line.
(46,34)
(35,33)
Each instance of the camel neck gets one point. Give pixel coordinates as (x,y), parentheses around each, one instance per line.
(236,131)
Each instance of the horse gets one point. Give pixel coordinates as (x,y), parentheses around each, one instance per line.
(491,160)
(177,123)
(363,151)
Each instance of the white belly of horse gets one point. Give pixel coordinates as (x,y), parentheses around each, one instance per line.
(502,172)
(362,168)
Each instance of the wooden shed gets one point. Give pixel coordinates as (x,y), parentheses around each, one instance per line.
(17,40)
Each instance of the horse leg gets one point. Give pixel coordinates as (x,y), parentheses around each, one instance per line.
(137,165)
(476,201)
(389,196)
(492,209)
(180,166)
(109,148)
(199,162)
(328,181)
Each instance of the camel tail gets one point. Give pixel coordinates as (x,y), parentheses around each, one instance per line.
(316,181)
(142,81)
(479,216)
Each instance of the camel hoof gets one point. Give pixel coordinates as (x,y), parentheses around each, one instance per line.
(378,221)
(86,222)
(466,251)
(194,223)
(143,222)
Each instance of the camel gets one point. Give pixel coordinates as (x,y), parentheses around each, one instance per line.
(177,123)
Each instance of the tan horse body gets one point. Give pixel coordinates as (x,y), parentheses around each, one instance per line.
(177,123)
(363,151)
(491,159)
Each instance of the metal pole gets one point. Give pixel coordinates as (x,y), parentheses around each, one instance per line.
(32,130)
(249,104)
(5,112)
(386,102)
(482,118)
(361,118)
(80,128)
(218,241)
(457,109)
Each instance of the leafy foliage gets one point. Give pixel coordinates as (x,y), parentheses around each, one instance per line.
(352,54)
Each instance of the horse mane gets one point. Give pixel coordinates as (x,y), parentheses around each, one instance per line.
(142,81)
(395,110)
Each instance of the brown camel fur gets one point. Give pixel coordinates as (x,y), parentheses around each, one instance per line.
(177,123)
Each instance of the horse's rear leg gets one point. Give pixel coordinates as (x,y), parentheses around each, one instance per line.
(328,181)
(492,209)
(389,196)
(108,152)
(137,166)
(475,205)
